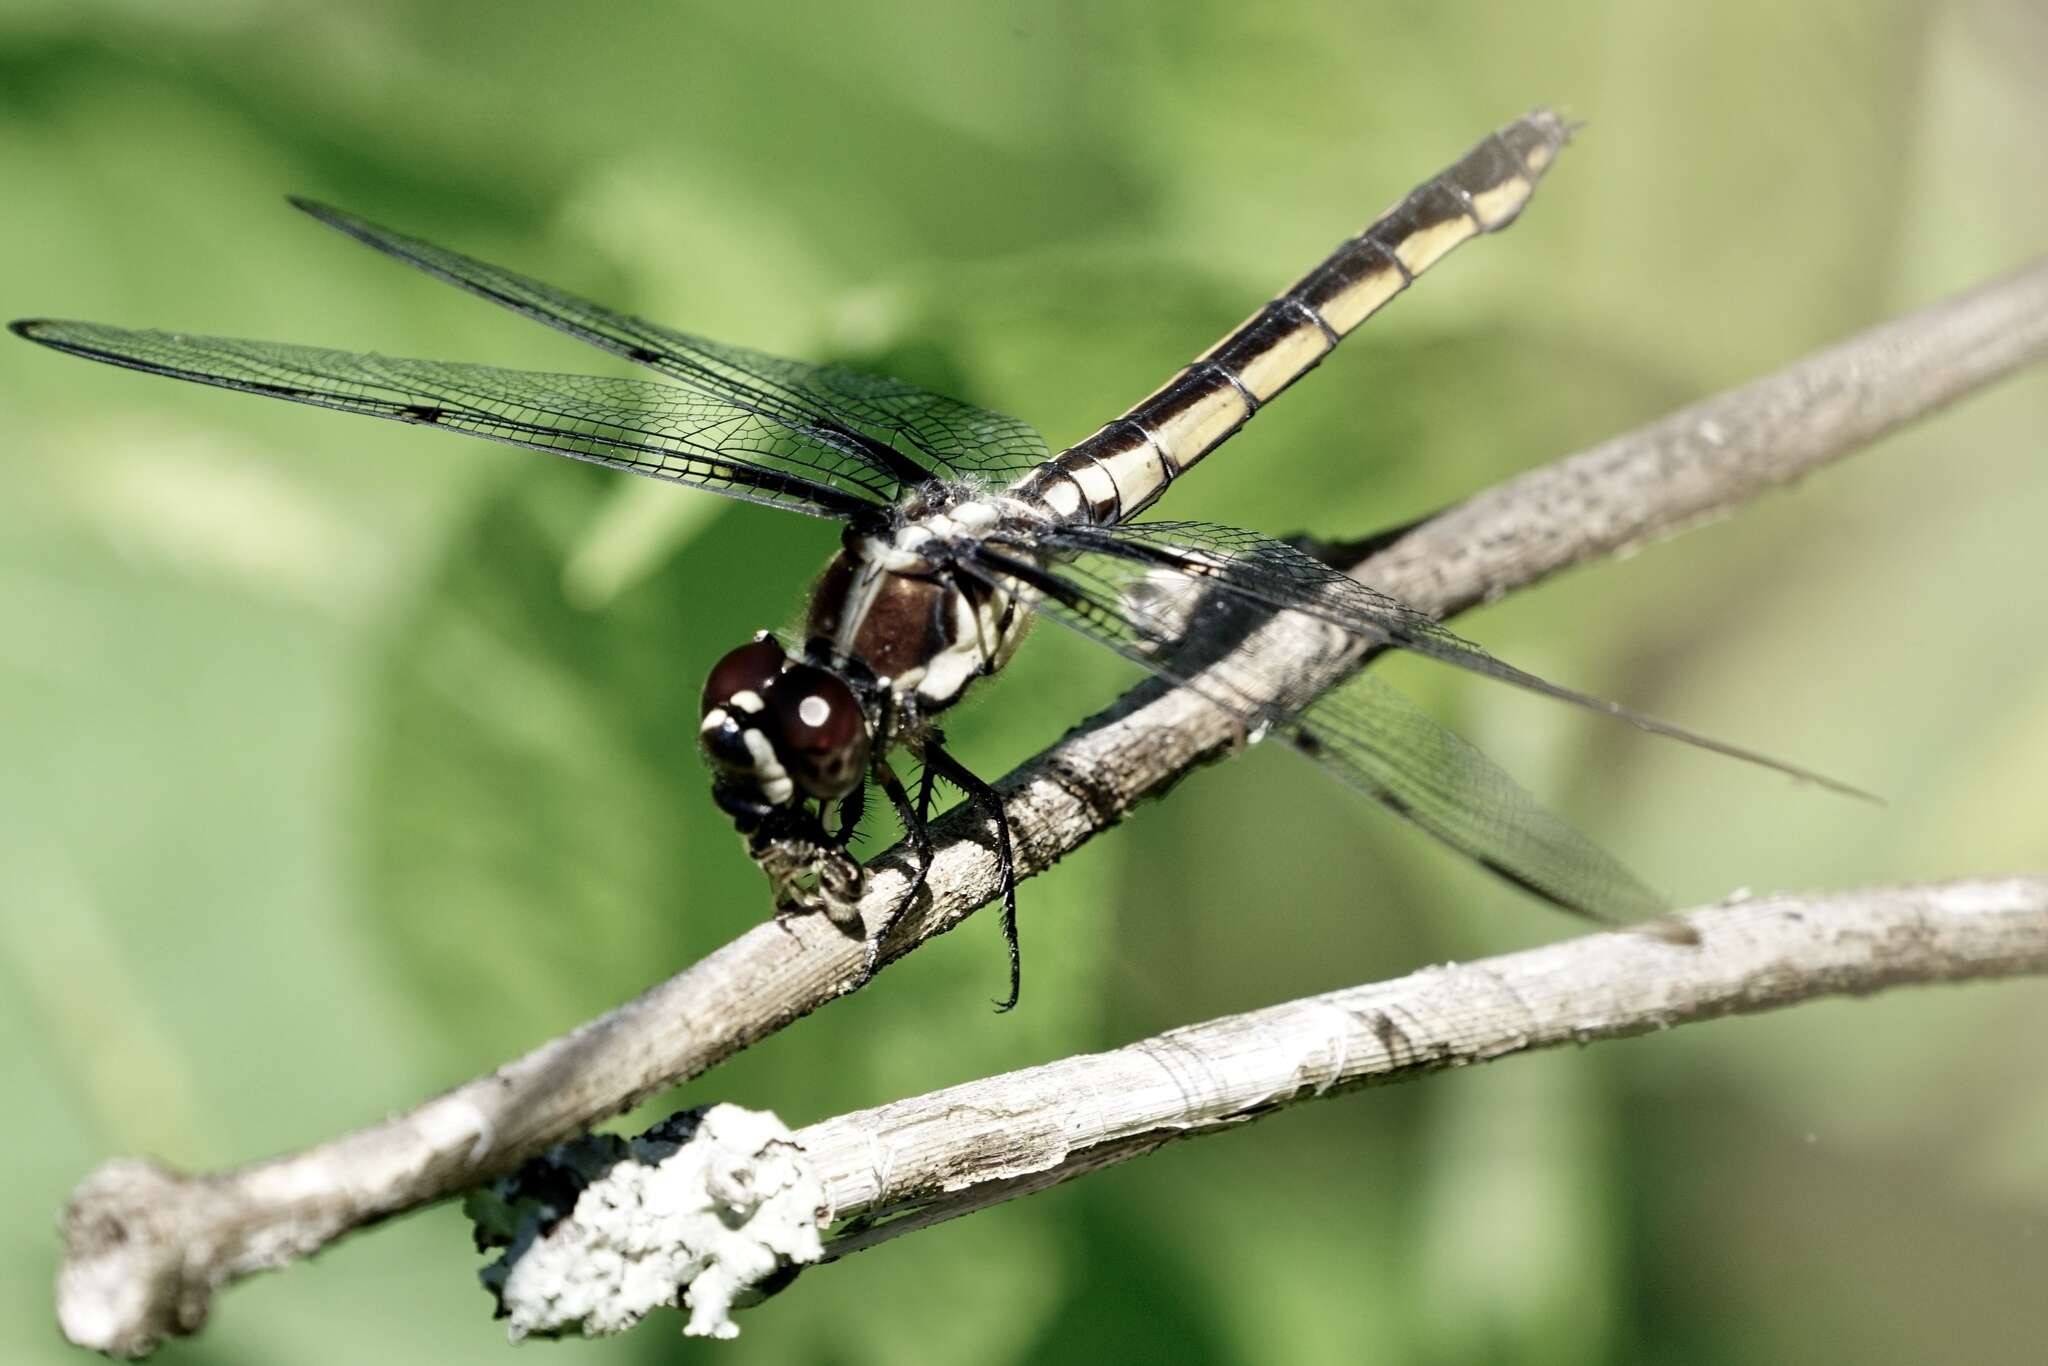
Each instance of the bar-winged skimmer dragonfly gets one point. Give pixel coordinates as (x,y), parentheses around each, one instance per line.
(960,525)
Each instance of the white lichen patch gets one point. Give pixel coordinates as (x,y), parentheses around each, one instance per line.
(696,1213)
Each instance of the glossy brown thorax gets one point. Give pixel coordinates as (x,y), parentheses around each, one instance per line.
(910,621)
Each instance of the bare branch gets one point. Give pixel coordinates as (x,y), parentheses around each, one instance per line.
(916,1162)
(146,1247)
(602,1231)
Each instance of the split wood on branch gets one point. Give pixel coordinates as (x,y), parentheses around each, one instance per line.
(146,1247)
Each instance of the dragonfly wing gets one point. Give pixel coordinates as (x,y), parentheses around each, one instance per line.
(960,440)
(1373,738)
(636,425)
(1276,576)
(1364,731)
(905,433)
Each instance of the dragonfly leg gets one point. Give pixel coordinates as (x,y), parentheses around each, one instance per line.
(924,792)
(914,828)
(852,807)
(944,765)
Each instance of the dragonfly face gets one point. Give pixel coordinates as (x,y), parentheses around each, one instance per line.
(783,738)
(895,633)
(776,732)
(958,520)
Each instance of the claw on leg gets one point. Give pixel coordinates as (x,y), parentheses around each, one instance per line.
(991,804)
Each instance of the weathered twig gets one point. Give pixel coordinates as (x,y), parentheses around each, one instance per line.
(917,1161)
(146,1247)
(905,1166)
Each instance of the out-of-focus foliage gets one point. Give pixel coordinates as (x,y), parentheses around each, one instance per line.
(343,760)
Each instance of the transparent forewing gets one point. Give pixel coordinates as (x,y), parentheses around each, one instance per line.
(902,433)
(1275,576)
(1372,737)
(634,425)
(1375,740)
(957,439)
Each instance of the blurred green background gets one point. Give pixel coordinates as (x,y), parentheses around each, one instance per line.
(343,761)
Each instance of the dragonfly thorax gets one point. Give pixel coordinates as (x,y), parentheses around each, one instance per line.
(895,608)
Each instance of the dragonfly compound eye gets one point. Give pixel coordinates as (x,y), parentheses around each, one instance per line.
(819,730)
(740,680)
(735,700)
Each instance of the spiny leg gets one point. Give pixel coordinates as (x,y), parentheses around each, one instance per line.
(852,807)
(925,779)
(938,761)
(914,829)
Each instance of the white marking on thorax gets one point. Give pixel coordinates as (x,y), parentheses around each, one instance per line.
(908,552)
(860,594)
(967,521)
(978,645)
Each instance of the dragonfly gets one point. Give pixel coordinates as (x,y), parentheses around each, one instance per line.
(960,527)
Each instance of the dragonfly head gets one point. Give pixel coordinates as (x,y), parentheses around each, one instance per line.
(776,731)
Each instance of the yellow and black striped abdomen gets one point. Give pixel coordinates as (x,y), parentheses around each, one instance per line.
(1126,465)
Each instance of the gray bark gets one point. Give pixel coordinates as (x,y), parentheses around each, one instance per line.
(915,1162)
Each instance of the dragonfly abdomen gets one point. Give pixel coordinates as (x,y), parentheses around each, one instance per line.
(1126,465)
